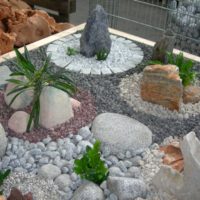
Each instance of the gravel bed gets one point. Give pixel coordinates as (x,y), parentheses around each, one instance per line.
(23,157)
(41,189)
(106,92)
(82,116)
(130,91)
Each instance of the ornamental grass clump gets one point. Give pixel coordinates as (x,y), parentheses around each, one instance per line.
(185,66)
(35,80)
(101,55)
(3,176)
(90,166)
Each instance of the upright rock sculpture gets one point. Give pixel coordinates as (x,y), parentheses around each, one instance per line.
(166,44)
(162,85)
(187,185)
(95,37)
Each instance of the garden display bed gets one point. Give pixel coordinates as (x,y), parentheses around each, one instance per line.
(111,89)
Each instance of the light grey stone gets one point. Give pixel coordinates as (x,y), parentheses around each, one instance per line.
(187,185)
(115,171)
(88,191)
(114,129)
(63,181)
(113,197)
(46,140)
(133,172)
(5,162)
(44,160)
(127,188)
(49,171)
(3,141)
(4,74)
(113,159)
(22,101)
(85,132)
(122,166)
(95,36)
(52,146)
(55,107)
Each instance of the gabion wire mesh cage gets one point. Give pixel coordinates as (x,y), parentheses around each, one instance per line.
(150,18)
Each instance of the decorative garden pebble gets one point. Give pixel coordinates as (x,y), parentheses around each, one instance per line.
(55,107)
(3,141)
(49,171)
(95,36)
(124,55)
(88,191)
(114,129)
(19,121)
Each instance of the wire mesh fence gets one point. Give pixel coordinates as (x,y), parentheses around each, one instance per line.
(150,18)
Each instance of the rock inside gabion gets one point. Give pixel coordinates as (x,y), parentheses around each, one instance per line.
(95,37)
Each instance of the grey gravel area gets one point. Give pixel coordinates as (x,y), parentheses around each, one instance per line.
(54,160)
(106,91)
(41,189)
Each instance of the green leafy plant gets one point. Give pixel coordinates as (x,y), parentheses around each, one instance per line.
(102,55)
(3,176)
(185,67)
(90,166)
(154,62)
(71,51)
(35,80)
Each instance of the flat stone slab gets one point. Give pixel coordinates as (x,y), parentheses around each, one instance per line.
(123,56)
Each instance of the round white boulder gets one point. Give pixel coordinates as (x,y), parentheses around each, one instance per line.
(3,141)
(22,101)
(55,107)
(121,133)
(19,121)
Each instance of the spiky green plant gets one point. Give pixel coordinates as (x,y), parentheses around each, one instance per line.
(90,166)
(71,51)
(3,176)
(102,55)
(185,66)
(35,80)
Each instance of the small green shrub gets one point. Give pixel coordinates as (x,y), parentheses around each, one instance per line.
(102,55)
(3,176)
(185,67)
(71,51)
(90,166)
(36,80)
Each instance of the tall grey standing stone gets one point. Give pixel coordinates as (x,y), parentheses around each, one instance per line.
(166,44)
(95,36)
(186,185)
(88,191)
(121,133)
(3,141)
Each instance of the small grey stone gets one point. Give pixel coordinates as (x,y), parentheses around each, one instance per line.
(65,170)
(5,162)
(44,160)
(52,146)
(127,188)
(3,141)
(63,181)
(78,138)
(35,152)
(41,146)
(105,150)
(103,185)
(85,132)
(49,171)
(51,154)
(128,154)
(113,159)
(127,163)
(73,177)
(133,172)
(113,197)
(84,144)
(136,160)
(121,156)
(46,140)
(115,171)
(60,142)
(122,166)
(88,191)
(31,160)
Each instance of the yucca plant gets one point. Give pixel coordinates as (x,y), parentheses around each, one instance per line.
(185,67)
(71,51)
(35,80)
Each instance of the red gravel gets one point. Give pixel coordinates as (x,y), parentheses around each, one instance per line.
(82,117)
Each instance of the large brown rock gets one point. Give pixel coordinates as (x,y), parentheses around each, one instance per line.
(191,94)
(162,85)
(7,41)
